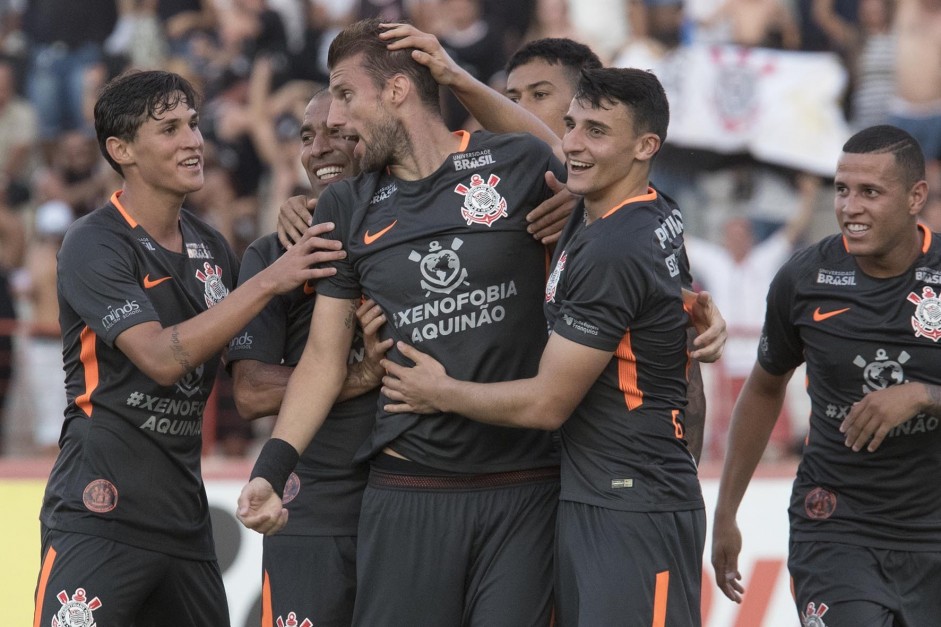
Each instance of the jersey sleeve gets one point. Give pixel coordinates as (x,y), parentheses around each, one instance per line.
(330,208)
(262,339)
(601,304)
(99,282)
(780,348)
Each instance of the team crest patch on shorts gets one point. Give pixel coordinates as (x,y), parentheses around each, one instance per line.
(292,621)
(291,488)
(100,496)
(813,617)
(927,319)
(482,203)
(820,503)
(77,611)
(215,288)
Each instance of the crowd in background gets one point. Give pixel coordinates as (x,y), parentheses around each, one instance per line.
(257,63)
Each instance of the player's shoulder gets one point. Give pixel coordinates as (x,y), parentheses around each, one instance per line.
(267,246)
(522,144)
(101,226)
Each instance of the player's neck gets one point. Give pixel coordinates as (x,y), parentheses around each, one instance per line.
(599,203)
(158,214)
(429,145)
(896,261)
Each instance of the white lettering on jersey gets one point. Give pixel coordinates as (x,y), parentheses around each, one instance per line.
(669,229)
(117,314)
(836,277)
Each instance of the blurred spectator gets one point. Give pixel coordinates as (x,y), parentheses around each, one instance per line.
(183,20)
(737,274)
(12,247)
(66,39)
(816,38)
(551,20)
(42,347)
(758,23)
(19,133)
(916,106)
(138,36)
(78,175)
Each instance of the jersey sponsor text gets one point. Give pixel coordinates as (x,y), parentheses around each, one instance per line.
(836,277)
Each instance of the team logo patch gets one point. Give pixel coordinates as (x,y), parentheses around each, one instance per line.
(820,504)
(100,496)
(813,616)
(292,621)
(441,268)
(927,319)
(291,489)
(553,283)
(882,371)
(215,288)
(77,611)
(482,203)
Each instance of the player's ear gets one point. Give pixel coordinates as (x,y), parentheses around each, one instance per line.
(119,150)
(647,146)
(398,88)
(917,197)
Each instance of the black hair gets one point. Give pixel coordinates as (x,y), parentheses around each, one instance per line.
(571,55)
(883,139)
(639,90)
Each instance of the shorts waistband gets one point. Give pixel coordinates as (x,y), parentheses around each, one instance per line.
(380,479)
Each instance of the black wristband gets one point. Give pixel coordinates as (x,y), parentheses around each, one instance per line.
(275,463)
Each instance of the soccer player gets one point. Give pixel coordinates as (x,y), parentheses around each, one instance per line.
(861,309)
(145,308)
(457,521)
(309,567)
(612,377)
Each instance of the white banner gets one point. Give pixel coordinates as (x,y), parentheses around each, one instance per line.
(782,107)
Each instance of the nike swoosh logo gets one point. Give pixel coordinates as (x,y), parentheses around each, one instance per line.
(369,239)
(149,284)
(820,316)
(309,289)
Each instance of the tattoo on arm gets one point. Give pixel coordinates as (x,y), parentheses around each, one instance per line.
(350,321)
(180,354)
(934,394)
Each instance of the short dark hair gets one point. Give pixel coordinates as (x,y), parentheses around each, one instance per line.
(126,102)
(885,138)
(381,63)
(638,90)
(571,55)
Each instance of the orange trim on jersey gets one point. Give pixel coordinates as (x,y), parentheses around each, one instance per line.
(117,203)
(41,588)
(660,599)
(926,232)
(89,358)
(465,140)
(267,616)
(650,195)
(627,373)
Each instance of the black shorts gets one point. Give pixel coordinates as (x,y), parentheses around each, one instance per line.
(312,577)
(98,581)
(844,584)
(471,551)
(631,569)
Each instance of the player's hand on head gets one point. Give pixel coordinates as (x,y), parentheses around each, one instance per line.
(413,389)
(294,217)
(726,547)
(709,324)
(371,319)
(260,509)
(427,50)
(304,261)
(548,219)
(872,418)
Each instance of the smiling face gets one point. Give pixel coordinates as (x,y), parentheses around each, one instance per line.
(543,89)
(600,146)
(877,209)
(358,109)
(326,154)
(167,151)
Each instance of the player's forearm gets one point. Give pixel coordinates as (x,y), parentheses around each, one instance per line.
(499,114)
(259,388)
(311,391)
(695,411)
(753,419)
(520,403)
(359,380)
(932,399)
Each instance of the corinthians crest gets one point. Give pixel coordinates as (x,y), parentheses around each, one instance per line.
(553,283)
(927,319)
(813,617)
(215,288)
(292,621)
(77,611)
(441,268)
(482,203)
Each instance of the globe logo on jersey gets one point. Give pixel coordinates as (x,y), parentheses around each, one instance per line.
(189,383)
(215,288)
(482,203)
(883,371)
(927,319)
(441,268)
(77,611)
